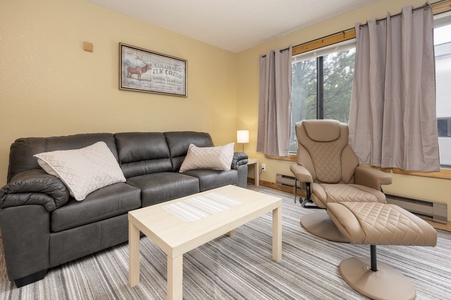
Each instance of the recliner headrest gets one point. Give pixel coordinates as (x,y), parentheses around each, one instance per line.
(322,130)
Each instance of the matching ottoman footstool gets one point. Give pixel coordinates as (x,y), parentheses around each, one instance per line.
(378,224)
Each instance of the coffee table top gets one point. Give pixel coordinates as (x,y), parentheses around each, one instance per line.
(180,225)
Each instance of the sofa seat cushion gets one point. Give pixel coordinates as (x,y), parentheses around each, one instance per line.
(107,202)
(211,179)
(161,187)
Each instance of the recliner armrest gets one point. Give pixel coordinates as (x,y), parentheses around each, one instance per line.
(239,159)
(301,173)
(371,177)
(34,187)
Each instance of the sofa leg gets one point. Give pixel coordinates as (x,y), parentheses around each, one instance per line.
(30,278)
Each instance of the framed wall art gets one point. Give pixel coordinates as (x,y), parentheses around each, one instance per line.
(142,70)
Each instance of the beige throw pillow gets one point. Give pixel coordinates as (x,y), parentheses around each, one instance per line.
(83,170)
(214,158)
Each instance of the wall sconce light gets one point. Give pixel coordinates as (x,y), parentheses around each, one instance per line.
(242,137)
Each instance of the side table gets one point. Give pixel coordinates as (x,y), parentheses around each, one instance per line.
(256,169)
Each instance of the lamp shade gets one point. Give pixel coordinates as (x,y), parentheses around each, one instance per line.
(242,136)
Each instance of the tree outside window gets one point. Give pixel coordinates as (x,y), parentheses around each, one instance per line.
(321,86)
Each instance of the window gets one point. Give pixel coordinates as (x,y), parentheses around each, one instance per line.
(321,85)
(442,43)
(305,104)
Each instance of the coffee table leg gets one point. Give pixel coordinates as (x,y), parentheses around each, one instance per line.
(277,234)
(175,277)
(133,255)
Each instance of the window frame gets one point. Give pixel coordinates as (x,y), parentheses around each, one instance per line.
(437,8)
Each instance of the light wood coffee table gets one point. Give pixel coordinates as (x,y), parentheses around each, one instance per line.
(183,224)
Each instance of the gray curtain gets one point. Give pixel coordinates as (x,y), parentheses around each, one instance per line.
(393,115)
(274,103)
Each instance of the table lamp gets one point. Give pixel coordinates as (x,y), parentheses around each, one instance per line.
(242,137)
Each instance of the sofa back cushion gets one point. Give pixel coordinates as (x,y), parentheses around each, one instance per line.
(179,141)
(143,153)
(22,150)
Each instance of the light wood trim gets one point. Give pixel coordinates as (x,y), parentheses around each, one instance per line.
(277,187)
(442,174)
(287,158)
(325,41)
(441,7)
(441,226)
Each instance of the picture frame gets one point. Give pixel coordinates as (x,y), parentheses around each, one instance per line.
(142,70)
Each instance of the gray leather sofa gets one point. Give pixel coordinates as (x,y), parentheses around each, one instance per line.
(43,226)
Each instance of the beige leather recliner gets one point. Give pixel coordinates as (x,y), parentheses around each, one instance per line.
(357,212)
(328,168)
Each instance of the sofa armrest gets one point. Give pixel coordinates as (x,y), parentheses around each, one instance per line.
(371,177)
(26,242)
(301,173)
(34,187)
(239,159)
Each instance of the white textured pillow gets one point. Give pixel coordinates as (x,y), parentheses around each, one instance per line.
(215,158)
(83,170)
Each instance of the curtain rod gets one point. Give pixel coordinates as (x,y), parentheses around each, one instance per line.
(437,7)
(280,50)
(342,32)
(425,6)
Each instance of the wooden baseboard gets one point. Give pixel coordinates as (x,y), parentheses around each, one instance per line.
(441,226)
(275,186)
(272,185)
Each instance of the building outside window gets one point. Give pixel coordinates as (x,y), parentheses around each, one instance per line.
(442,45)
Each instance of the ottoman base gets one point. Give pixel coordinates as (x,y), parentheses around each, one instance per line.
(385,283)
(319,224)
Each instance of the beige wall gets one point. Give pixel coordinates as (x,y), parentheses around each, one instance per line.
(50,86)
(248,92)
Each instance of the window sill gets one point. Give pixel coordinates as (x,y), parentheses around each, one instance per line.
(290,157)
(442,174)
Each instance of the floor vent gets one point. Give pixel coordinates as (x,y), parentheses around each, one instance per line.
(434,211)
(286,180)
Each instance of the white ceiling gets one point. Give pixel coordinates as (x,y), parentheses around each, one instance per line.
(233,25)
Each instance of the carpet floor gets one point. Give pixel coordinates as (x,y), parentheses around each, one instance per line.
(240,267)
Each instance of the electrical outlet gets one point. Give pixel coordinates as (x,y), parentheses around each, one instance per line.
(263,167)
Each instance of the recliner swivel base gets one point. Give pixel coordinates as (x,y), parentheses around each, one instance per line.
(319,224)
(385,283)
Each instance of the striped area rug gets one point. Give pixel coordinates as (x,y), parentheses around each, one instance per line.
(240,267)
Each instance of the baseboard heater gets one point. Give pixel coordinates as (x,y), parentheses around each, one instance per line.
(286,180)
(434,211)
